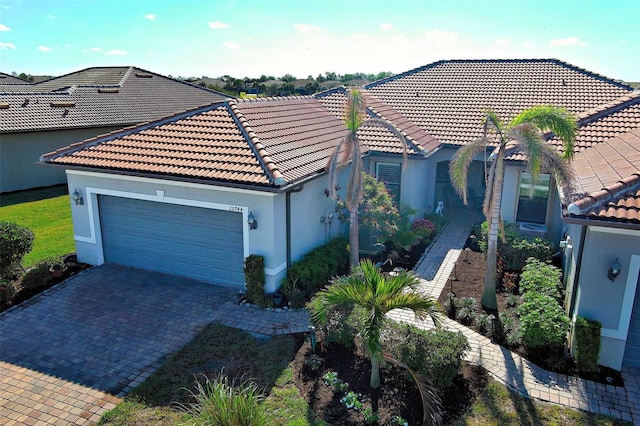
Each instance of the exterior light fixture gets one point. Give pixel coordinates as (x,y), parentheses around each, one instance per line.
(251,221)
(614,270)
(77,198)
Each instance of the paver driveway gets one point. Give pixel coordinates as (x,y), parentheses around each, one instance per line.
(99,334)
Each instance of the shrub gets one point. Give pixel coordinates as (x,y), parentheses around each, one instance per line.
(587,344)
(254,277)
(541,277)
(293,293)
(467,309)
(7,291)
(484,322)
(423,228)
(222,403)
(37,277)
(450,306)
(543,323)
(342,325)
(512,300)
(15,242)
(436,354)
(317,267)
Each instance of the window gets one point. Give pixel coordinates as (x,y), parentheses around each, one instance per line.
(389,174)
(532,202)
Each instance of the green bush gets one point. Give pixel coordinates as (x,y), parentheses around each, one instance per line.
(543,323)
(254,277)
(317,267)
(15,242)
(541,277)
(342,325)
(7,291)
(514,248)
(587,334)
(436,354)
(37,277)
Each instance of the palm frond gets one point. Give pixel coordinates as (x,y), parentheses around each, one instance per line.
(374,121)
(355,112)
(561,122)
(459,165)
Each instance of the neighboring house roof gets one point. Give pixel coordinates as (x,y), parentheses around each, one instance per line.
(97,97)
(449,98)
(9,79)
(264,142)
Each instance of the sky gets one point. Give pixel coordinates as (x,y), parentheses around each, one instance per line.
(249,38)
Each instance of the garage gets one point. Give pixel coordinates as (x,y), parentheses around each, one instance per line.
(632,351)
(199,243)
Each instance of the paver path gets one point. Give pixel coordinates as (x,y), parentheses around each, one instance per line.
(517,373)
(69,354)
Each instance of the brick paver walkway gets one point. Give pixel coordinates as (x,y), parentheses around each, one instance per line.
(508,368)
(70,354)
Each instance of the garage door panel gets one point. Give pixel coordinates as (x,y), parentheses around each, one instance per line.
(199,243)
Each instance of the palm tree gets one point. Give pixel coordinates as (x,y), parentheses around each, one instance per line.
(348,150)
(368,288)
(523,133)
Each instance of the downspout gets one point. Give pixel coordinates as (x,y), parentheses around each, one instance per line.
(576,278)
(288,220)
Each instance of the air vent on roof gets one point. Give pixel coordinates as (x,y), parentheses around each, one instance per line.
(144,75)
(62,104)
(4,105)
(108,90)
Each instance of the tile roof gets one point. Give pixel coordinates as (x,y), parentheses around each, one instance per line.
(376,138)
(266,142)
(448,99)
(617,203)
(97,97)
(9,79)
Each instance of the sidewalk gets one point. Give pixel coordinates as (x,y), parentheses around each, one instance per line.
(506,367)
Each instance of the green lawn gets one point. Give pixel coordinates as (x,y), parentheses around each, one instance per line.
(47,212)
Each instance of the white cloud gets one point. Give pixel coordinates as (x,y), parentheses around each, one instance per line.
(503,41)
(569,41)
(7,46)
(50,16)
(96,49)
(386,26)
(5,7)
(230,45)
(4,28)
(44,49)
(150,16)
(116,52)
(307,28)
(217,25)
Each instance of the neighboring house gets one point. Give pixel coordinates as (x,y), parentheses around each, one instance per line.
(184,188)
(9,79)
(40,117)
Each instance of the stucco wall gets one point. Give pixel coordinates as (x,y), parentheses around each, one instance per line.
(269,239)
(19,153)
(600,299)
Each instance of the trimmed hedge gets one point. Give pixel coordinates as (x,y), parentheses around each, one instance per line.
(15,241)
(316,268)
(587,344)
(541,277)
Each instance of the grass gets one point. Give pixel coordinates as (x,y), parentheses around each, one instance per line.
(46,212)
(267,363)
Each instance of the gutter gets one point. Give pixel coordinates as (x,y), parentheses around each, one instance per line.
(576,278)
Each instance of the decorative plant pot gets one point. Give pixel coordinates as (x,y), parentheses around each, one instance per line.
(277,300)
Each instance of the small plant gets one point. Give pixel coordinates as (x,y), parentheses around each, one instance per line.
(330,378)
(370,417)
(467,310)
(513,338)
(484,322)
(509,282)
(512,300)
(423,228)
(351,400)
(450,306)
(15,242)
(399,421)
(314,362)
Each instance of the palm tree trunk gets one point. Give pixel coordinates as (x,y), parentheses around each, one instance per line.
(489,300)
(375,372)
(354,254)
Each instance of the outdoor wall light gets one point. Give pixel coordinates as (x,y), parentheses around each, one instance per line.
(614,270)
(77,198)
(251,221)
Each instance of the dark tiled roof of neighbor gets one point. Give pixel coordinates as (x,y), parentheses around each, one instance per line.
(97,97)
(618,203)
(377,138)
(449,98)
(266,142)
(9,79)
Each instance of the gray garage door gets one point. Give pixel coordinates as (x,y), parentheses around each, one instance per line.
(632,352)
(194,242)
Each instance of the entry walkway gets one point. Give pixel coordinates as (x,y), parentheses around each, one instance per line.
(515,372)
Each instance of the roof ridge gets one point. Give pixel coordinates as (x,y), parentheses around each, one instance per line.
(125,76)
(593,114)
(255,144)
(605,194)
(596,75)
(273,98)
(329,92)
